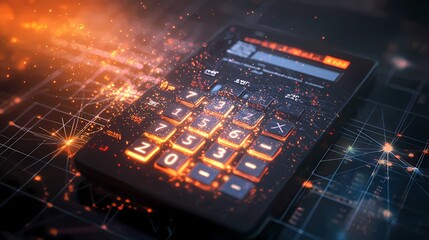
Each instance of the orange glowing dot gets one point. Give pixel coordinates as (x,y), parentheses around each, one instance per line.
(11,123)
(38,178)
(397,156)
(78,174)
(149,210)
(307,184)
(87,208)
(103,226)
(426,151)
(399,135)
(39,116)
(14,40)
(49,204)
(387,148)
(17,100)
(411,155)
(53,231)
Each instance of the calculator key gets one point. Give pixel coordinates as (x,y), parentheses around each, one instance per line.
(250,168)
(142,150)
(188,143)
(289,110)
(231,91)
(219,156)
(234,136)
(260,101)
(161,131)
(265,148)
(203,174)
(176,113)
(236,187)
(190,97)
(278,129)
(220,107)
(205,125)
(248,118)
(172,162)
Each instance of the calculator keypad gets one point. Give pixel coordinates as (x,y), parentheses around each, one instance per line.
(221,148)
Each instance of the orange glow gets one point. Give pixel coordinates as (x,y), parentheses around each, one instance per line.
(158,139)
(172,172)
(387,148)
(38,178)
(263,156)
(186,150)
(307,184)
(197,103)
(233,145)
(173,121)
(205,134)
(328,60)
(11,123)
(139,157)
(276,136)
(411,155)
(250,177)
(220,165)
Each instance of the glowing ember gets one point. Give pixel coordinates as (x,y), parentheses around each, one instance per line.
(387,148)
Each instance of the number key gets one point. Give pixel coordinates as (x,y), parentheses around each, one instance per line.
(234,136)
(142,150)
(219,156)
(220,106)
(248,118)
(176,113)
(190,97)
(205,125)
(188,143)
(172,162)
(161,131)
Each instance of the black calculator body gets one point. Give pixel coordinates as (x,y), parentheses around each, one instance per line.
(224,135)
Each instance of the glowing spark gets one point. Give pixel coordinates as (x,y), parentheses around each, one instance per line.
(387,148)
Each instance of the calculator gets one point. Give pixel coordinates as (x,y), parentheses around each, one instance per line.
(228,134)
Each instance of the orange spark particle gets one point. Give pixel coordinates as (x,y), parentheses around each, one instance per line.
(411,155)
(11,123)
(53,232)
(38,178)
(387,148)
(307,184)
(49,204)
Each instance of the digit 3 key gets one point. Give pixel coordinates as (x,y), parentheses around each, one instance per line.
(226,138)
